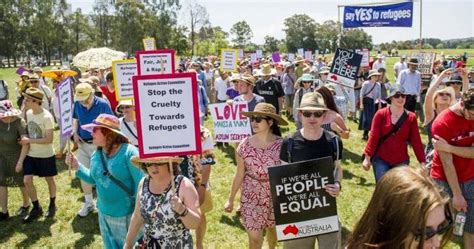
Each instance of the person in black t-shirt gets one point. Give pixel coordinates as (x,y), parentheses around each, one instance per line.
(270,89)
(312,142)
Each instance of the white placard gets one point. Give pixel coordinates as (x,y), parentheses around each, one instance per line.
(241,53)
(229,60)
(65,106)
(301,51)
(155,62)
(291,57)
(229,123)
(259,53)
(149,43)
(253,57)
(123,71)
(167,114)
(365,56)
(308,55)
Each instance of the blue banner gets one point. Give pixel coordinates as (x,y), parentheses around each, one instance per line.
(393,15)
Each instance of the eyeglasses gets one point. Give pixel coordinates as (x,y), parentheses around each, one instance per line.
(398,95)
(316,114)
(444,94)
(126,106)
(257,119)
(453,83)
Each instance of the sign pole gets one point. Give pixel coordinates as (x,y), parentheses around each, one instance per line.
(421,26)
(68,148)
(170,166)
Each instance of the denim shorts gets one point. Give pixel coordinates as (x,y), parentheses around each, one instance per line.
(467,189)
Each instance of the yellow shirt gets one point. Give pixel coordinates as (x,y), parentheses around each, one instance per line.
(37,125)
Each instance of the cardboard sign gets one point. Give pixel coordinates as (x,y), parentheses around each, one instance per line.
(155,62)
(276,57)
(123,71)
(308,55)
(65,106)
(253,57)
(344,67)
(365,56)
(425,60)
(259,53)
(167,114)
(291,57)
(301,51)
(149,43)
(302,206)
(229,59)
(229,123)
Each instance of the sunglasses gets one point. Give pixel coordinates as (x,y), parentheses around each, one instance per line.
(398,95)
(34,81)
(257,119)
(146,165)
(453,83)
(316,114)
(444,94)
(441,229)
(307,82)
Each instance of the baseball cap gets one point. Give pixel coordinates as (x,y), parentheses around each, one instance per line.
(83,91)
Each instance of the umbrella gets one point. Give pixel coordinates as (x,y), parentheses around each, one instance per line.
(58,74)
(97,58)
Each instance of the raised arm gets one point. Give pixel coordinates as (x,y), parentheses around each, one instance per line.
(428,106)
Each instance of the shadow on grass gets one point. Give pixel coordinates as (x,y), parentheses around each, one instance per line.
(229,152)
(35,231)
(86,226)
(357,161)
(232,221)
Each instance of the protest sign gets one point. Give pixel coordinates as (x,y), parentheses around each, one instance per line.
(365,56)
(229,123)
(344,67)
(229,59)
(302,206)
(149,43)
(425,60)
(65,106)
(167,112)
(123,71)
(259,53)
(241,53)
(301,51)
(155,62)
(276,57)
(253,57)
(391,15)
(308,55)
(291,57)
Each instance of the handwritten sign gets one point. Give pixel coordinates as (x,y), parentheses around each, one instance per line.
(302,206)
(167,114)
(123,71)
(149,43)
(229,59)
(425,60)
(65,106)
(229,123)
(155,62)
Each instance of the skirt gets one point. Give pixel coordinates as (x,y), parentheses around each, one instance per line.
(8,176)
(113,230)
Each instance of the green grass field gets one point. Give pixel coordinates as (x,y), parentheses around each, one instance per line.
(224,230)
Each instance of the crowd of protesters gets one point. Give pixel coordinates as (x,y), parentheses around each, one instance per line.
(155,202)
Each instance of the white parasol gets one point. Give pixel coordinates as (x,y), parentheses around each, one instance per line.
(97,58)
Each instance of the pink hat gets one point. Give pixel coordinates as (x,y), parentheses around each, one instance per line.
(7,109)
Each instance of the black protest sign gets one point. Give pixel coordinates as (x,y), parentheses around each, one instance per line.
(302,206)
(344,67)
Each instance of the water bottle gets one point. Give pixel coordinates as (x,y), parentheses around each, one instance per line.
(459,223)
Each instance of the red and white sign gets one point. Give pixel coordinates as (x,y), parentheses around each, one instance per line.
(155,62)
(167,114)
(229,123)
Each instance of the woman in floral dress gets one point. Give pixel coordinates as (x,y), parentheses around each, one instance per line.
(254,155)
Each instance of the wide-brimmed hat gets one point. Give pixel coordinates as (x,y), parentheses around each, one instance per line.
(7,109)
(137,161)
(25,74)
(306,77)
(373,72)
(107,121)
(314,101)
(247,78)
(122,103)
(83,91)
(448,90)
(37,69)
(266,70)
(324,70)
(34,77)
(34,93)
(394,89)
(413,61)
(267,110)
(298,59)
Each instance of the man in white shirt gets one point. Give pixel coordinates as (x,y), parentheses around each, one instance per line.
(400,66)
(410,79)
(379,63)
(221,85)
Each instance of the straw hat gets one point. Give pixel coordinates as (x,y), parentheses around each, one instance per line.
(246,78)
(314,101)
(267,70)
(122,103)
(448,90)
(298,59)
(7,109)
(373,72)
(106,121)
(137,161)
(34,93)
(267,110)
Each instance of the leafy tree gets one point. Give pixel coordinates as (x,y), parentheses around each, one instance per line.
(80,30)
(242,34)
(271,44)
(356,38)
(128,30)
(198,17)
(300,32)
(103,21)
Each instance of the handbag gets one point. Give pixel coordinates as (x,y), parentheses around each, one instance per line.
(394,130)
(121,185)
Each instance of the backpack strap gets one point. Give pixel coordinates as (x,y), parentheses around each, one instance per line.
(129,129)
(330,136)
(112,178)
(289,147)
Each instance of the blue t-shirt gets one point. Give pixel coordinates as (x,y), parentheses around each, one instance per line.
(111,199)
(86,116)
(251,105)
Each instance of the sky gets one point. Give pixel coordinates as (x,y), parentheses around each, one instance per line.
(443,19)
